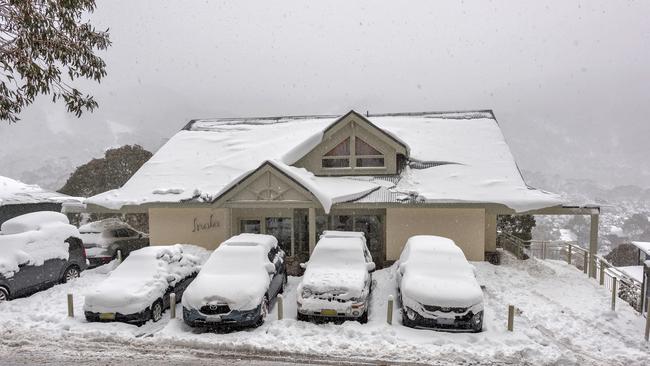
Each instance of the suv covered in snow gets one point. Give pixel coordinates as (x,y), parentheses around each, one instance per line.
(237,284)
(37,251)
(437,287)
(337,280)
(138,289)
(102,239)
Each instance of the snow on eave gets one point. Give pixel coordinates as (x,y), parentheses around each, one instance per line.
(15,192)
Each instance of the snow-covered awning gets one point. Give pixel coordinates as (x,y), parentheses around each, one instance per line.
(202,160)
(13,192)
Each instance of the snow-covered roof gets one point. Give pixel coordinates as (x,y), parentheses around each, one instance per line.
(13,192)
(208,156)
(643,245)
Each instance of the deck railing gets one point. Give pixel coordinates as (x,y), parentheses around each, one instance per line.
(628,289)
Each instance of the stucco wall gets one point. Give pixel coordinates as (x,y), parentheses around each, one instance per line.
(205,227)
(466,227)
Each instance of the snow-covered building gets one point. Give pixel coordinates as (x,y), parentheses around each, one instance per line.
(391,176)
(18,198)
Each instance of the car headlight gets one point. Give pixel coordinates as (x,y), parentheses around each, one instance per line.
(306,293)
(410,314)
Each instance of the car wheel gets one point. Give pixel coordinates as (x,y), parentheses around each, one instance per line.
(477,325)
(363,319)
(264,311)
(303,317)
(156,311)
(4,294)
(70,274)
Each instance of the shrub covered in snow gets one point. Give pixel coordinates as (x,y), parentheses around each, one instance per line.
(32,239)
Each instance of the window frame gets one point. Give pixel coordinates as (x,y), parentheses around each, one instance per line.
(353,158)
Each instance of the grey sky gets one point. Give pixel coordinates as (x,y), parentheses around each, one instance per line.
(569,81)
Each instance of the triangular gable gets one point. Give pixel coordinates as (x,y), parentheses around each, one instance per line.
(267,185)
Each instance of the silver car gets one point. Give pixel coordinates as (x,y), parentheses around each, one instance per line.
(102,239)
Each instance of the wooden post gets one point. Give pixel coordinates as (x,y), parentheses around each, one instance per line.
(280,306)
(70,306)
(511,317)
(543,250)
(647,326)
(568,254)
(601,280)
(119,256)
(389,310)
(172,306)
(613,293)
(593,245)
(312,229)
(585,254)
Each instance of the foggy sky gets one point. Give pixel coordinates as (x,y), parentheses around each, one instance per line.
(568,81)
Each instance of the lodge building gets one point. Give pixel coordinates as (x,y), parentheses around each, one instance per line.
(389,175)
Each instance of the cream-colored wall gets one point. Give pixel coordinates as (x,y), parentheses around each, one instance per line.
(179,225)
(466,227)
(490,232)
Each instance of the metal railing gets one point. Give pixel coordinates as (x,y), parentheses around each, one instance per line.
(628,289)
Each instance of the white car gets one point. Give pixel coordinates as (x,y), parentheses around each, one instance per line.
(138,289)
(337,280)
(237,283)
(437,287)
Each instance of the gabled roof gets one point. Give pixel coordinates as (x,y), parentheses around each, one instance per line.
(455,157)
(13,192)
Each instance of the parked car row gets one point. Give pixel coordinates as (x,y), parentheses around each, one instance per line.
(240,280)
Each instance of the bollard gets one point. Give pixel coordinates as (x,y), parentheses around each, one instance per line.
(172,306)
(70,306)
(613,293)
(568,255)
(280,307)
(119,256)
(389,310)
(586,264)
(601,280)
(543,250)
(511,317)
(647,326)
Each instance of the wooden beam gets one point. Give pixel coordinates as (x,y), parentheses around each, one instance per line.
(593,245)
(312,229)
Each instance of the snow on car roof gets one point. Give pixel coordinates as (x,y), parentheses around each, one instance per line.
(13,192)
(32,239)
(435,255)
(228,259)
(206,157)
(103,225)
(267,242)
(338,252)
(141,278)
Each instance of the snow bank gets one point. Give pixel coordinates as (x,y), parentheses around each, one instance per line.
(201,162)
(143,277)
(33,238)
(435,272)
(235,275)
(336,267)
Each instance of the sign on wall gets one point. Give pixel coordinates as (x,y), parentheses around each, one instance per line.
(205,225)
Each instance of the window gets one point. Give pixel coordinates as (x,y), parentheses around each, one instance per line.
(339,156)
(365,156)
(250,226)
(280,227)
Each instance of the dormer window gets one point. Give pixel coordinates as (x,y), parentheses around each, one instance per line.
(363,155)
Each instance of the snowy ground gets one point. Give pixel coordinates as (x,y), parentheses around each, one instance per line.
(564,318)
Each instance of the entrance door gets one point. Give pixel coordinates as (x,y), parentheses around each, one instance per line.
(370,225)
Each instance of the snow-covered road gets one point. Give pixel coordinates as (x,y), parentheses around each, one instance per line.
(563,318)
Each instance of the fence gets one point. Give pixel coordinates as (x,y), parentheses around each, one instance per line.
(628,289)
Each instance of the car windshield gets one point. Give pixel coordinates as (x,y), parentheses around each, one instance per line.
(338,253)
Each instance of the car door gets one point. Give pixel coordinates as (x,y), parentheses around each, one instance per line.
(278,276)
(25,280)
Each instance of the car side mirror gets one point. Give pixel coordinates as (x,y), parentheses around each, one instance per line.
(170,279)
(21,265)
(270,268)
(370,266)
(303,265)
(140,236)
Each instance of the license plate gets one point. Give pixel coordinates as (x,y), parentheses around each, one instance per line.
(328,312)
(445,321)
(213,318)
(107,316)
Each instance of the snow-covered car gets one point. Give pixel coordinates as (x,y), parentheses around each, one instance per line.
(237,283)
(102,239)
(337,280)
(37,251)
(437,286)
(138,289)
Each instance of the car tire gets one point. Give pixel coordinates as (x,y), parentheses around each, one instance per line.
(70,274)
(478,328)
(302,317)
(264,311)
(363,319)
(156,311)
(4,294)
